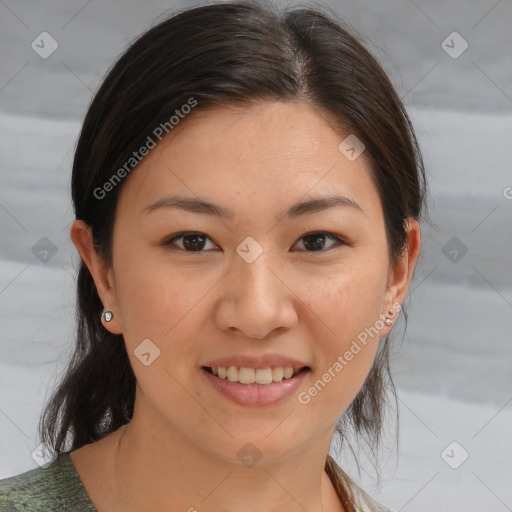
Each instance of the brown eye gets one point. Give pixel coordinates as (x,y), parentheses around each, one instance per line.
(191,241)
(315,242)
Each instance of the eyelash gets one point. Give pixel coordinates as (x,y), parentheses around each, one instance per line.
(169,241)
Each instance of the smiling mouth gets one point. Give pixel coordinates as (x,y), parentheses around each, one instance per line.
(255,376)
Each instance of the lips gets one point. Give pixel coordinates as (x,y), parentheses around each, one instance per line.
(255,394)
(257,380)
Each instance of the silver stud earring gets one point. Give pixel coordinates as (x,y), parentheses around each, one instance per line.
(389,319)
(107,315)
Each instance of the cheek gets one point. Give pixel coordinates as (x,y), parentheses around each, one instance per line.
(344,320)
(344,356)
(347,297)
(163,305)
(153,297)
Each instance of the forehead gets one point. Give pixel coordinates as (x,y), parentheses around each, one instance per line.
(268,153)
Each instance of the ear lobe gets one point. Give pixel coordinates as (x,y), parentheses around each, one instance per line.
(81,235)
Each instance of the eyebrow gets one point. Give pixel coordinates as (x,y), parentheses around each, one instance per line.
(195,205)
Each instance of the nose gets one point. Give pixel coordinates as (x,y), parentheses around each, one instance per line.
(256,302)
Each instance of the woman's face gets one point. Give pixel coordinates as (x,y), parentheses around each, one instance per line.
(255,289)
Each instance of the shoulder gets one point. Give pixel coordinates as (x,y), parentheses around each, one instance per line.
(56,488)
(350,494)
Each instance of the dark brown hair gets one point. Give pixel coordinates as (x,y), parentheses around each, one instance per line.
(226,54)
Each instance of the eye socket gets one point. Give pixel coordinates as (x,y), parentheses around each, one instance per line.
(315,236)
(195,241)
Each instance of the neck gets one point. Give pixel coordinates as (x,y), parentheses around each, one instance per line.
(168,472)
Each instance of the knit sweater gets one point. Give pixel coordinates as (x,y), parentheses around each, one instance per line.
(58,488)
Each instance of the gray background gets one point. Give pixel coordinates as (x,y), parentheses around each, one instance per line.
(453,366)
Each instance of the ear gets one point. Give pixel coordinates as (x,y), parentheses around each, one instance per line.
(401,273)
(81,235)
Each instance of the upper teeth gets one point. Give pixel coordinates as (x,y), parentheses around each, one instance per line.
(251,375)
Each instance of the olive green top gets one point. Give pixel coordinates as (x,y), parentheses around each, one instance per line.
(58,488)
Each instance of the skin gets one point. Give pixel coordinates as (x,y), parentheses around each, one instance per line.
(179,450)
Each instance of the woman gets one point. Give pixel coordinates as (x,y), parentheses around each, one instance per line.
(247,189)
